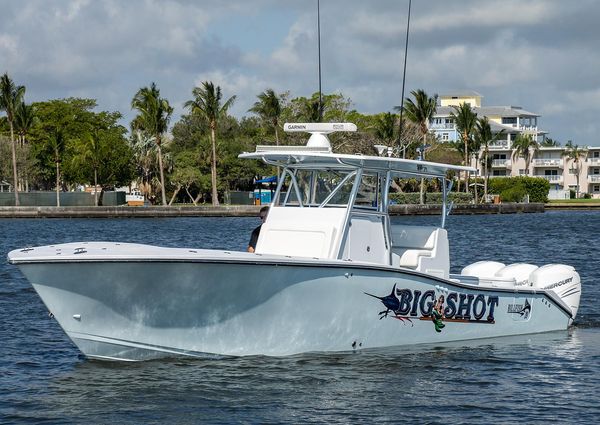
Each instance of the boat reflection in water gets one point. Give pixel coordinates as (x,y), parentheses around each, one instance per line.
(330,273)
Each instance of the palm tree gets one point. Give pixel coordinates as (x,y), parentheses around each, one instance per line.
(11,97)
(575,154)
(207,103)
(465,119)
(90,151)
(385,128)
(483,137)
(525,146)
(153,118)
(421,111)
(268,108)
(56,142)
(24,120)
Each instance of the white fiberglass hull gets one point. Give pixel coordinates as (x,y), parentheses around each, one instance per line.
(214,302)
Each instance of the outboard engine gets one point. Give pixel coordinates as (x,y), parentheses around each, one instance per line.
(482,269)
(561,279)
(520,272)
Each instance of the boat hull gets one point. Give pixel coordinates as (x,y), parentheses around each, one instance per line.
(136,310)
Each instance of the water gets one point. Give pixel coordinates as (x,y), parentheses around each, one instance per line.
(531,379)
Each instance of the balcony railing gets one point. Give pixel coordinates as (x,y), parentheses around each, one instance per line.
(595,161)
(594,178)
(500,144)
(529,128)
(548,162)
(502,163)
(552,179)
(441,126)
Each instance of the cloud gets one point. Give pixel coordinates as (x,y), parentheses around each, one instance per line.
(540,54)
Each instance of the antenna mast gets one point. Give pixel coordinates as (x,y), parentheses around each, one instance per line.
(403,80)
(319,48)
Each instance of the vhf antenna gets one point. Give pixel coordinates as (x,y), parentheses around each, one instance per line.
(319,49)
(403,79)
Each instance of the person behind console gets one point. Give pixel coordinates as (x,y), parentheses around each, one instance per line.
(264,211)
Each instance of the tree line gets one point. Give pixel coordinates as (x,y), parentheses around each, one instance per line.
(65,144)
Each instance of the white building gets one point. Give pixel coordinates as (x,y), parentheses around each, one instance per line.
(548,162)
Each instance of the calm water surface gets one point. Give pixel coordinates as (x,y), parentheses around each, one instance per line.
(551,377)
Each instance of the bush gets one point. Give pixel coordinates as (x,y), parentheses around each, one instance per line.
(587,196)
(514,189)
(404,198)
(513,194)
(430,198)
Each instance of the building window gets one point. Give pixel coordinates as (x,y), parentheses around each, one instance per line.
(449,121)
(509,120)
(499,173)
(445,137)
(522,172)
(596,188)
(437,121)
(596,154)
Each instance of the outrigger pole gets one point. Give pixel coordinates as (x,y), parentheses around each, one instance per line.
(403,81)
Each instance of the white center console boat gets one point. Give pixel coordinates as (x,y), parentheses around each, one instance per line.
(330,273)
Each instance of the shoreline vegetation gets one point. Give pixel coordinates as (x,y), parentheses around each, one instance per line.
(244,210)
(66,145)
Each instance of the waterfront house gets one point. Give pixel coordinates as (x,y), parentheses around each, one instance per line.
(548,162)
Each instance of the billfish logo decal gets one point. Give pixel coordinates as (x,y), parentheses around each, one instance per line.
(523,310)
(408,304)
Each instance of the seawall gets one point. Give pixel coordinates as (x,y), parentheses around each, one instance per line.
(240,211)
(573,206)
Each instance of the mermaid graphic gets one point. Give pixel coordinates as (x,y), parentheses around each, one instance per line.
(437,314)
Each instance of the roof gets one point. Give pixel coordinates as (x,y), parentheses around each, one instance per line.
(502,111)
(299,157)
(461,93)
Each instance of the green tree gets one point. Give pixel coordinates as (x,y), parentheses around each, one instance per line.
(11,97)
(576,154)
(57,144)
(71,118)
(484,137)
(465,119)
(24,120)
(421,111)
(90,152)
(548,142)
(269,108)
(385,128)
(103,155)
(525,146)
(153,118)
(208,103)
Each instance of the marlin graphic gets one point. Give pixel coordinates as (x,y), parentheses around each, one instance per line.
(526,310)
(391,303)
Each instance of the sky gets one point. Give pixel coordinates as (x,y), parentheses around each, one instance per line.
(540,55)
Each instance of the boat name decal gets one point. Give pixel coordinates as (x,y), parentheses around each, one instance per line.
(406,304)
(561,283)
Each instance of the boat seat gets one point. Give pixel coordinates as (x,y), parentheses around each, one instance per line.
(422,248)
(410,257)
